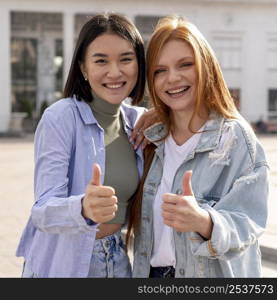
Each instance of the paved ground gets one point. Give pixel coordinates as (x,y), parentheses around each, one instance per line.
(16,198)
(269,239)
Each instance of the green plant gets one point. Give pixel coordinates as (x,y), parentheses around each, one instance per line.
(43,106)
(28,107)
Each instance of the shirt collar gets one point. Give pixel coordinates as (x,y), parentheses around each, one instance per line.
(85,111)
(123,109)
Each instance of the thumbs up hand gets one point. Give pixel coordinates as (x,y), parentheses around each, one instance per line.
(183,213)
(187,188)
(99,203)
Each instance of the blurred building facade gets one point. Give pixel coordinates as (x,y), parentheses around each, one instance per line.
(38,38)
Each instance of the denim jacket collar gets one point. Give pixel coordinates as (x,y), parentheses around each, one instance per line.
(211,134)
(208,141)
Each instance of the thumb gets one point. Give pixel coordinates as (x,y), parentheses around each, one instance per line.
(187,189)
(96,175)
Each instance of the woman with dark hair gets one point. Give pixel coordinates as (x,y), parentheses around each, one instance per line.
(202,203)
(86,170)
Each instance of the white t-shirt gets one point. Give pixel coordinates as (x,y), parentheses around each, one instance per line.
(163,253)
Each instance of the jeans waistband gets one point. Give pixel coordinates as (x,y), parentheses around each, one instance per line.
(108,243)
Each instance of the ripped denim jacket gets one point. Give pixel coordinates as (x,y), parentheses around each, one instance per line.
(231,183)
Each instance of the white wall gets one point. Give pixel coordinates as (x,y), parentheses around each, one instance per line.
(5,84)
(251,21)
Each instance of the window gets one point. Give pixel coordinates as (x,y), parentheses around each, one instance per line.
(272,52)
(146,25)
(36,60)
(235,93)
(79,22)
(272,104)
(58,66)
(228,51)
(24,74)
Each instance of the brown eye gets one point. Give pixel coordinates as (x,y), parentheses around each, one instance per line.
(100,61)
(126,59)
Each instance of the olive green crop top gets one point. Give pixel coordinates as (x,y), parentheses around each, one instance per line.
(120,162)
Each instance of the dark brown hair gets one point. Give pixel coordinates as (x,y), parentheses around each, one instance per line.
(96,26)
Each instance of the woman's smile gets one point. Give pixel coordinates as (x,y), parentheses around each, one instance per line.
(178,92)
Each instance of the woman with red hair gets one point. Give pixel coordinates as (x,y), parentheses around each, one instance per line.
(202,204)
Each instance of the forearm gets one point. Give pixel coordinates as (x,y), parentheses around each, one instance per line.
(60,215)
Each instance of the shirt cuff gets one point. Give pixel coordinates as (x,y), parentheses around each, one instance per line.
(90,222)
(76,213)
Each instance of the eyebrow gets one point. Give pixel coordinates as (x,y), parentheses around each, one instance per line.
(105,55)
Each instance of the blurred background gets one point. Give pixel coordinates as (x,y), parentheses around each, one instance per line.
(37,39)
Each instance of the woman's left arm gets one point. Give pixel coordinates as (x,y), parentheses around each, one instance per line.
(239,217)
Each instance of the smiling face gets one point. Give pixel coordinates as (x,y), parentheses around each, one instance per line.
(110,65)
(175,76)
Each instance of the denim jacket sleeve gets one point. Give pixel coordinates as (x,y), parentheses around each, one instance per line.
(55,210)
(239,217)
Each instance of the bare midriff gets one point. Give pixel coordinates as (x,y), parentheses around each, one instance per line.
(107,229)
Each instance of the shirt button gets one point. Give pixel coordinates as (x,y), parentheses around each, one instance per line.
(179,192)
(107,244)
(143,253)
(147,219)
(182,271)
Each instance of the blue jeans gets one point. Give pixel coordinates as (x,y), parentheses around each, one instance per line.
(109,259)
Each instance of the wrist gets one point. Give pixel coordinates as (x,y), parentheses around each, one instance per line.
(83,212)
(88,220)
(205,225)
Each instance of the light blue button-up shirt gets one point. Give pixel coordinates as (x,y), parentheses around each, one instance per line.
(57,241)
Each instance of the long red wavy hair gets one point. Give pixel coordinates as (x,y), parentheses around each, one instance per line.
(212,91)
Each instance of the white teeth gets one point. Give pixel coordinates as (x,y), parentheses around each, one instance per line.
(114,86)
(178,90)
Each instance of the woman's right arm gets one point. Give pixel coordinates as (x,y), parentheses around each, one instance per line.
(55,210)
(147,119)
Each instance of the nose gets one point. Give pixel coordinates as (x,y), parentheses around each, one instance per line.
(114,71)
(173,76)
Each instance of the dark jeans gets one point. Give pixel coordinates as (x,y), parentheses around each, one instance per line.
(162,272)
